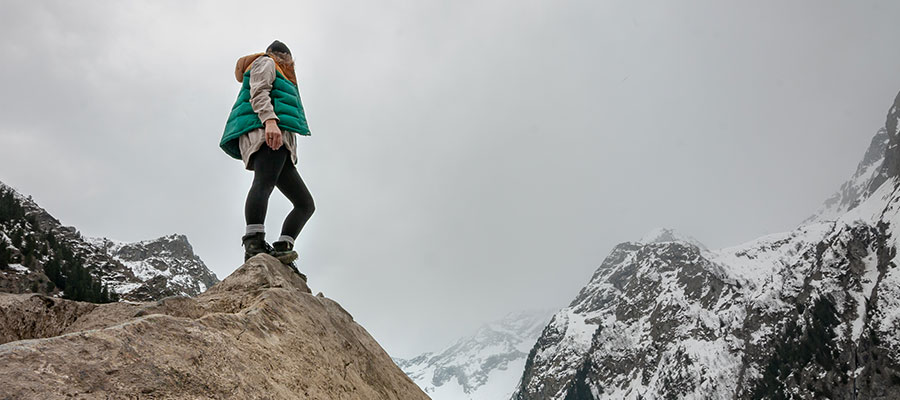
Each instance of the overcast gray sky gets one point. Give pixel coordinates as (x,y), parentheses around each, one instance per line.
(467,158)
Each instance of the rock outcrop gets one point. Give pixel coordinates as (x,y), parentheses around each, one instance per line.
(258,334)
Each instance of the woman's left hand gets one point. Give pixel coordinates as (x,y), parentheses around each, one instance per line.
(273,135)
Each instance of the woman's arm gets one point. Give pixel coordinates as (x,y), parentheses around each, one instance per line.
(262,74)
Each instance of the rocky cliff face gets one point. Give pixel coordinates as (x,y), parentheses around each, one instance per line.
(808,314)
(483,366)
(166,266)
(141,271)
(259,334)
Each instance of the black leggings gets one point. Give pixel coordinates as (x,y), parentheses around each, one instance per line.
(273,168)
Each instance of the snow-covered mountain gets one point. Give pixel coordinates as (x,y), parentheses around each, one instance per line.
(869,175)
(36,246)
(483,366)
(162,266)
(809,314)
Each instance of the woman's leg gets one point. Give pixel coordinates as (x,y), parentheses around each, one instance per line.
(295,190)
(267,165)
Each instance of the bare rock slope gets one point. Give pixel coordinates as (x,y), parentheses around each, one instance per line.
(259,334)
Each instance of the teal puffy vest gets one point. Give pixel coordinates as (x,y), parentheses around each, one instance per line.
(286,104)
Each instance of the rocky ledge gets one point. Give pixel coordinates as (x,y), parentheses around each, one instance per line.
(259,334)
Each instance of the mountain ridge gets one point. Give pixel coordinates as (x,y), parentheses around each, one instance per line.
(484,365)
(808,313)
(42,251)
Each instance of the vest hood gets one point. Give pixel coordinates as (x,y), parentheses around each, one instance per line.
(243,64)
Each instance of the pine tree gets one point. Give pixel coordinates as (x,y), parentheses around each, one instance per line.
(4,253)
(28,252)
(6,211)
(104,295)
(60,277)
(83,283)
(10,209)
(17,238)
(96,291)
(74,282)
(52,270)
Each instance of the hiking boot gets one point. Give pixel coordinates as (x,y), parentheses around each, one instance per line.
(254,244)
(294,267)
(284,252)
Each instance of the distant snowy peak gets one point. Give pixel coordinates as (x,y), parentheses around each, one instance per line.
(664,235)
(857,189)
(877,166)
(171,245)
(522,324)
(483,366)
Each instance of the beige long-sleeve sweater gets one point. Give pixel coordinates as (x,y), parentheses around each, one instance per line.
(262,74)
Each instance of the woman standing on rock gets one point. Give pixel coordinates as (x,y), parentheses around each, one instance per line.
(261,130)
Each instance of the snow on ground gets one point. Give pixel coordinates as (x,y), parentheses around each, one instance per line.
(568,352)
(662,235)
(755,262)
(19,268)
(451,390)
(499,385)
(144,270)
(888,306)
(486,365)
(124,287)
(717,371)
(103,243)
(868,281)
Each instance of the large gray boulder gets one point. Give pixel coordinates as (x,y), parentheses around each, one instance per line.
(259,334)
